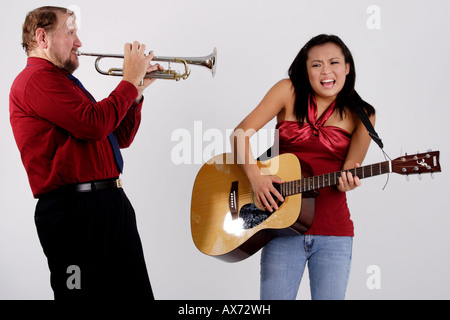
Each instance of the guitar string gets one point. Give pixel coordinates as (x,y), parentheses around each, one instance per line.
(327,180)
(299,186)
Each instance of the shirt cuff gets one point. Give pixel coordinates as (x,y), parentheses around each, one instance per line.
(137,105)
(128,89)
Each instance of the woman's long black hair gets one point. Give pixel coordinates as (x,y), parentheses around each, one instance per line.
(346,98)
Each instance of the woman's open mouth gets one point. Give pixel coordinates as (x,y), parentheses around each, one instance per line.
(329,83)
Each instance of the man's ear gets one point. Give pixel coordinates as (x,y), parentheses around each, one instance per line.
(41,38)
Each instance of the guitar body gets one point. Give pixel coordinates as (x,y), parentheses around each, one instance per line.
(226,223)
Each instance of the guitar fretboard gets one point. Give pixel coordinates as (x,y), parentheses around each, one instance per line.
(330,179)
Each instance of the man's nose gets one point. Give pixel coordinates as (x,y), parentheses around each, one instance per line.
(77,43)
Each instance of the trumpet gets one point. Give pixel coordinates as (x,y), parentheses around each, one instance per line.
(209,61)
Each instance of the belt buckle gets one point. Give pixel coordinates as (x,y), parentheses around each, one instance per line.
(119,183)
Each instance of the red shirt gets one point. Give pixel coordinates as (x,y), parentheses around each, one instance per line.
(324,149)
(61,134)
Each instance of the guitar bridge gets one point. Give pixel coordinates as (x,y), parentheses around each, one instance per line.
(233,200)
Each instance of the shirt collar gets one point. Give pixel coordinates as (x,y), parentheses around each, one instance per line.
(36,61)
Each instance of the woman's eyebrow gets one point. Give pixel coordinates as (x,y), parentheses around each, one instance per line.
(320,60)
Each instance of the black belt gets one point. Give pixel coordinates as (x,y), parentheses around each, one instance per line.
(97,185)
(85,187)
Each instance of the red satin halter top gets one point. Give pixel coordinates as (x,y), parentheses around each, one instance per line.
(324,149)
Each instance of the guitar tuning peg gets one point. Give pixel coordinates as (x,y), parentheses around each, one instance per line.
(407,177)
(420,177)
(432,175)
(429,150)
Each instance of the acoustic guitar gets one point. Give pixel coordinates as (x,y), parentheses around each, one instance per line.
(226,222)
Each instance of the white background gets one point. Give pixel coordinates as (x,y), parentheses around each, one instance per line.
(402,69)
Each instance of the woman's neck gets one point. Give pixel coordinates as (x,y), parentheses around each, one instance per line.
(323,102)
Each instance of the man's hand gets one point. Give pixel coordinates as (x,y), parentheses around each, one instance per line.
(136,65)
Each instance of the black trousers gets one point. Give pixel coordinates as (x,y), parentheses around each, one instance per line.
(92,245)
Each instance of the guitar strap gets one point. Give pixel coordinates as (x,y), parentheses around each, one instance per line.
(365,120)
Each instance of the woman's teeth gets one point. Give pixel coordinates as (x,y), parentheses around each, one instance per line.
(328,83)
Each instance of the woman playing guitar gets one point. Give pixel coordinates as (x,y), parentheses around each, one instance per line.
(316,119)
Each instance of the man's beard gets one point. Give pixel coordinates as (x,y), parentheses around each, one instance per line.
(70,66)
(66,64)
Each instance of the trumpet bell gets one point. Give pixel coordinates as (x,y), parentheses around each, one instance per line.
(209,61)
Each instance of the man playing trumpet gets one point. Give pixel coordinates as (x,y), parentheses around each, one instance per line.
(69,145)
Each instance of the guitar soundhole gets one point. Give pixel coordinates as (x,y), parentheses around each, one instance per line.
(253,216)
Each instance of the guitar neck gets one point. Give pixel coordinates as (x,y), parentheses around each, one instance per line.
(331,179)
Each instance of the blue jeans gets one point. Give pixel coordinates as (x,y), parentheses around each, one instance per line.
(283,261)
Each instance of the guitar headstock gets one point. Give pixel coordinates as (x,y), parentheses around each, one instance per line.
(427,162)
